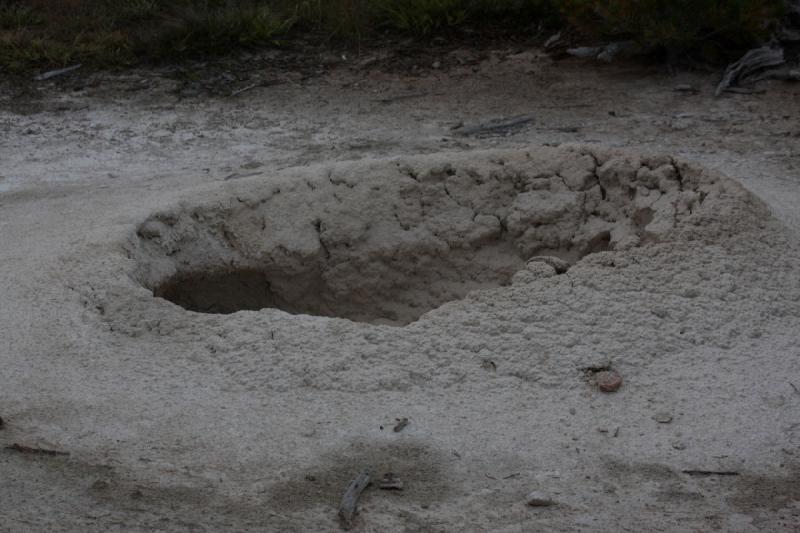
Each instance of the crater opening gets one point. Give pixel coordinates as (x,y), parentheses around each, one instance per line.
(385,242)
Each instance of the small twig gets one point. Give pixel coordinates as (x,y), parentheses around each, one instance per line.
(399,97)
(496,126)
(34,451)
(236,175)
(58,72)
(790,383)
(401,424)
(512,476)
(263,83)
(347,509)
(706,473)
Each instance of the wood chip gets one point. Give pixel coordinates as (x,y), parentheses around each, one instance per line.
(390,482)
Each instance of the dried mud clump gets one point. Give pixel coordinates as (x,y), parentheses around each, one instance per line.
(386,241)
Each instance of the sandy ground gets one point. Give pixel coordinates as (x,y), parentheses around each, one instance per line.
(257,421)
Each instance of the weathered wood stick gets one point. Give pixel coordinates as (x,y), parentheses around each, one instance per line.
(347,509)
(495,126)
(54,73)
(706,473)
(34,451)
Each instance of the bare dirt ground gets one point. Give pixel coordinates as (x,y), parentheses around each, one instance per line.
(257,421)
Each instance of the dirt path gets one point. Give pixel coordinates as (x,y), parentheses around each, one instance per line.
(258,420)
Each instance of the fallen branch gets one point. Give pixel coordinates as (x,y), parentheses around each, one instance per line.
(348,507)
(747,69)
(34,451)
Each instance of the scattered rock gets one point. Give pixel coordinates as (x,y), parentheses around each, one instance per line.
(539,499)
(532,272)
(558,264)
(608,380)
(617,49)
(607,53)
(686,88)
(585,52)
(679,445)
(663,418)
(100,485)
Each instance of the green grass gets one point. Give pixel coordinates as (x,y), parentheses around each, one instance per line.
(52,33)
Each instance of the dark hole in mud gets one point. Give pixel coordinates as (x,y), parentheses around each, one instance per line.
(404,290)
(388,242)
(398,294)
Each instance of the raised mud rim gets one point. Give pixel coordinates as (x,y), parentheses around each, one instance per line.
(385,241)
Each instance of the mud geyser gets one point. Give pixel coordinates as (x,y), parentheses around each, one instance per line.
(387,241)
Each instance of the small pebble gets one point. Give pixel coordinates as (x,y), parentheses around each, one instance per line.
(100,485)
(685,88)
(678,445)
(663,418)
(539,499)
(608,381)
